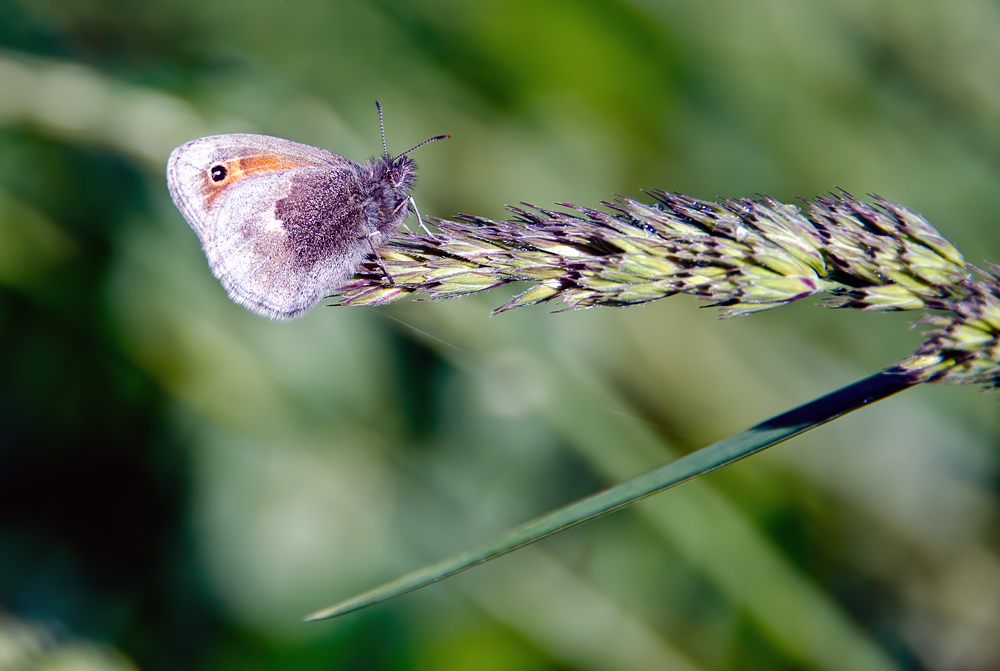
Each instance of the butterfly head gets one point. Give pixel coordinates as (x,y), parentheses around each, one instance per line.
(400,171)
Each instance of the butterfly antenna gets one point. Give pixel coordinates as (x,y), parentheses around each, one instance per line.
(436,137)
(381,126)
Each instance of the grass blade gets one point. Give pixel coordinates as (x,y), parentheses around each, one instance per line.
(734,448)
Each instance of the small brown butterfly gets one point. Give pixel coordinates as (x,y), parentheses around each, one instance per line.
(283,223)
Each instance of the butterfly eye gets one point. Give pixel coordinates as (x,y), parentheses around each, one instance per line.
(219,173)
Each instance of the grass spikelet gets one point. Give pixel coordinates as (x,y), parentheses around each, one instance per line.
(742,256)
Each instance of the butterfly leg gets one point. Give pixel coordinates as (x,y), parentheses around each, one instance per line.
(420,219)
(378,257)
(400,207)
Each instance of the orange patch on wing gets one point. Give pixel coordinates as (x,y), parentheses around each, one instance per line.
(239,169)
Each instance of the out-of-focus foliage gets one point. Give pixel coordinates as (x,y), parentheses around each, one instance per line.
(183,481)
(36,647)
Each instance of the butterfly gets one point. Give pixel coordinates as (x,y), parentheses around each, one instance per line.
(283,223)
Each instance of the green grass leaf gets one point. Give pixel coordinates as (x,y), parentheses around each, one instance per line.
(734,448)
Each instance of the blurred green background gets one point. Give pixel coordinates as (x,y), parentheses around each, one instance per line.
(181,481)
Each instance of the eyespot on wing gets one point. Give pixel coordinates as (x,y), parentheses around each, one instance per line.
(200,172)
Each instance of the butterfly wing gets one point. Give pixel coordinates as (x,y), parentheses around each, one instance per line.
(281,223)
